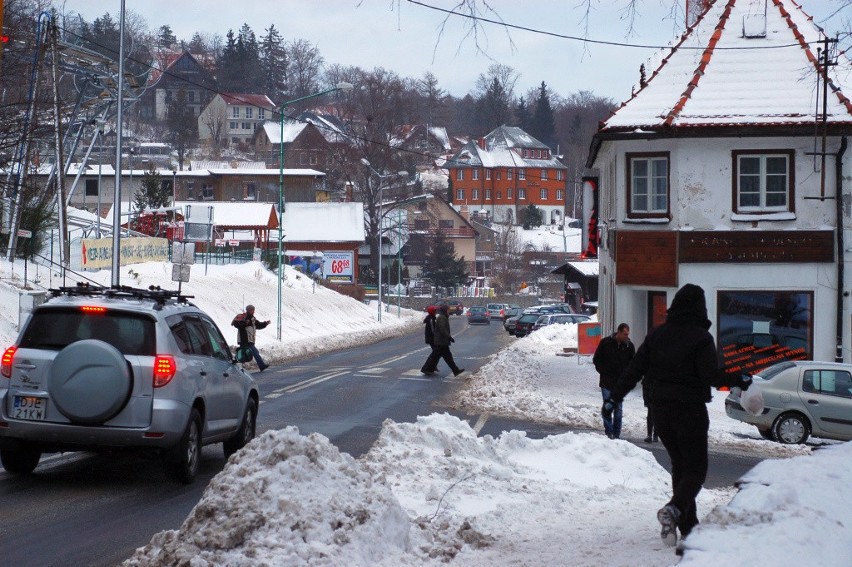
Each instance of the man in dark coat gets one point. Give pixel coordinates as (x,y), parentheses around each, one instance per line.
(247,325)
(443,338)
(680,359)
(611,358)
(431,364)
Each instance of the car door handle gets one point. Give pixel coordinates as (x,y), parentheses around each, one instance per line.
(813,402)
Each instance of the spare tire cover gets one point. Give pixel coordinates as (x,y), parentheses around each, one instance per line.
(89,381)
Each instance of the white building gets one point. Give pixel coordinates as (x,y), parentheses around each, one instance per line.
(726,169)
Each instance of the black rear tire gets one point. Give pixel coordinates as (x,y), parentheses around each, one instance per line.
(245,433)
(23,461)
(183,461)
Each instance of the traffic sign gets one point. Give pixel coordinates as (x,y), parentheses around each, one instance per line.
(25,233)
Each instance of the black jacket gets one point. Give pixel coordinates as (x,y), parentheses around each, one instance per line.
(611,359)
(429,324)
(678,357)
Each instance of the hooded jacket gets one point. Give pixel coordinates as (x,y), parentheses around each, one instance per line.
(679,357)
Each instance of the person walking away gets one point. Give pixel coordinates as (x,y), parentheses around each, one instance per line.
(443,338)
(681,360)
(431,364)
(611,358)
(649,418)
(247,326)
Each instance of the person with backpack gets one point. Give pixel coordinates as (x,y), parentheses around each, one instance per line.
(247,325)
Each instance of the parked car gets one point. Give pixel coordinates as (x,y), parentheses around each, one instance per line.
(105,369)
(497,310)
(455,305)
(559,319)
(512,310)
(801,398)
(511,322)
(524,324)
(590,307)
(478,314)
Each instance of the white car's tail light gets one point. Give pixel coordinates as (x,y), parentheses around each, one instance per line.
(6,364)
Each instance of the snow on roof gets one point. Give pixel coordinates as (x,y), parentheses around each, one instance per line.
(213,164)
(291,131)
(260,101)
(328,222)
(235,213)
(587,268)
(503,147)
(726,71)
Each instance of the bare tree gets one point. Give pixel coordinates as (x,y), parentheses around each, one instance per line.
(216,122)
(304,68)
(507,266)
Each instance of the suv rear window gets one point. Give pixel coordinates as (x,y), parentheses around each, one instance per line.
(54,329)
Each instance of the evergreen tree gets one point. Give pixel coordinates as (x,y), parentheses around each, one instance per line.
(152,194)
(543,124)
(531,216)
(196,44)
(273,60)
(165,37)
(492,109)
(441,267)
(522,115)
(248,60)
(227,65)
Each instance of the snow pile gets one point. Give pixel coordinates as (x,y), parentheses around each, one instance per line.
(286,499)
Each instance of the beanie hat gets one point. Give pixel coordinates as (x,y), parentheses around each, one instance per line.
(431,309)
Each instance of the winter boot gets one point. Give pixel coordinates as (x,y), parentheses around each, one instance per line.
(668,517)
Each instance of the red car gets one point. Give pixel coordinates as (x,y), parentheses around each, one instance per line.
(456,307)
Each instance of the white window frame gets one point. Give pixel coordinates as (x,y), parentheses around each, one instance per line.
(474,194)
(235,112)
(542,194)
(522,194)
(544,174)
(559,195)
(459,195)
(764,181)
(459,175)
(648,188)
(522,174)
(474,174)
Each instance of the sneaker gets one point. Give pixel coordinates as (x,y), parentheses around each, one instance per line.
(457,372)
(647,439)
(262,368)
(668,516)
(609,435)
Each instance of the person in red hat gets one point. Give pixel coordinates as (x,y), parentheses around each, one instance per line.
(431,364)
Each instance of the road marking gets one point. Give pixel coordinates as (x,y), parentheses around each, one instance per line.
(480,423)
(304,384)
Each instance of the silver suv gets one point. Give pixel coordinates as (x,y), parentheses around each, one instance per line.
(113,368)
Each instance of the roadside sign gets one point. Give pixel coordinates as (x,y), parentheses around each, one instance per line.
(234,243)
(25,233)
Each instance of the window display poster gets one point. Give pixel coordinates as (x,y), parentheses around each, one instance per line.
(757,329)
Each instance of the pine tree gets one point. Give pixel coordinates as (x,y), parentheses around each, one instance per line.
(441,267)
(522,115)
(492,109)
(273,60)
(181,124)
(543,125)
(165,37)
(531,216)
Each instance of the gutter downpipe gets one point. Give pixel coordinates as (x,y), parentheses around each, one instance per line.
(838,176)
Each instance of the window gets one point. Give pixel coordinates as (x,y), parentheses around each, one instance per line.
(488,174)
(445,223)
(522,193)
(831,382)
(544,174)
(526,154)
(648,184)
(543,195)
(560,175)
(763,181)
(509,193)
(261,113)
(459,175)
(246,125)
(499,195)
(207,192)
(474,174)
(313,159)
(508,174)
(249,112)
(559,195)
(303,158)
(91,188)
(459,195)
(235,112)
(249,191)
(488,194)
(233,125)
(474,194)
(522,175)
(421,224)
(499,174)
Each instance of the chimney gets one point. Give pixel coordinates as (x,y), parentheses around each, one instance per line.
(464,212)
(481,143)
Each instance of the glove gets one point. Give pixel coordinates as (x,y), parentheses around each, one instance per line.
(607,409)
(745,382)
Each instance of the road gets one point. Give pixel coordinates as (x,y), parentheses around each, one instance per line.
(95,510)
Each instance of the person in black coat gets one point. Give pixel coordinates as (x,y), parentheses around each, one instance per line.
(680,359)
(431,364)
(611,358)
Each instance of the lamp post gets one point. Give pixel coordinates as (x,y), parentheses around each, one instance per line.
(339,87)
(381,223)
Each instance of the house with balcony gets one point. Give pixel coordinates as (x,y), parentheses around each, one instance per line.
(231,119)
(504,173)
(729,168)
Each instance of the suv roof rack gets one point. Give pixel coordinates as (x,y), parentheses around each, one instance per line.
(153,292)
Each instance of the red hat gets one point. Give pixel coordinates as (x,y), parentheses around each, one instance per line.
(431,309)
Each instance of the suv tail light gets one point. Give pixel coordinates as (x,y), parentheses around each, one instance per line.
(164,370)
(6,364)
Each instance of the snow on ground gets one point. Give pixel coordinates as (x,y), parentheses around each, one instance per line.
(433,493)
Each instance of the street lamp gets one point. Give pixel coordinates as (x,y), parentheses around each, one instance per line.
(381,223)
(339,87)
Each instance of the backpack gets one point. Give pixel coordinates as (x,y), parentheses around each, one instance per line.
(243,354)
(239,318)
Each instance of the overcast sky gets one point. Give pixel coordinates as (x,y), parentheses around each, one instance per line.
(403,36)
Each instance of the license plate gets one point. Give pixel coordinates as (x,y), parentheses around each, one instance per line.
(29,407)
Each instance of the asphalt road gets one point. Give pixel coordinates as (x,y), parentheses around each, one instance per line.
(95,510)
